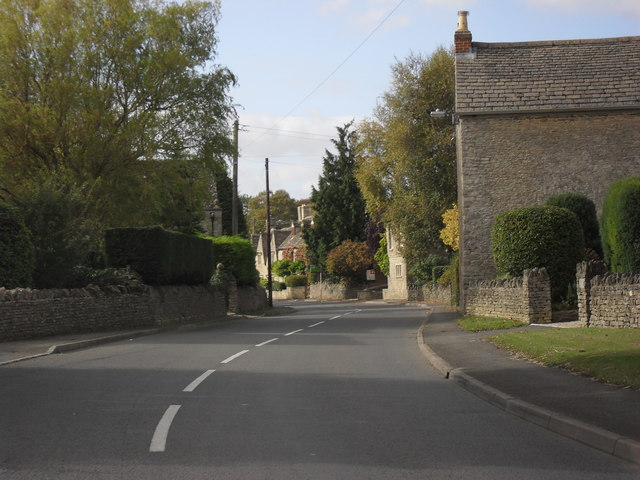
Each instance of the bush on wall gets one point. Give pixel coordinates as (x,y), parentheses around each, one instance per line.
(585,210)
(238,257)
(542,236)
(161,257)
(621,225)
(16,249)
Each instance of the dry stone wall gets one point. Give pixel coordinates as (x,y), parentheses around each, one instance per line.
(526,298)
(26,313)
(606,299)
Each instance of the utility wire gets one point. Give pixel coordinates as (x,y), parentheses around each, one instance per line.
(326,79)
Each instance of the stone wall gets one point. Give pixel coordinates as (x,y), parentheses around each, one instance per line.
(26,313)
(432,294)
(510,161)
(331,291)
(526,298)
(606,299)
(290,293)
(246,299)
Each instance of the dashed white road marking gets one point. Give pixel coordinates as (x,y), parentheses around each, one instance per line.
(192,386)
(159,440)
(337,316)
(268,341)
(316,324)
(233,357)
(295,331)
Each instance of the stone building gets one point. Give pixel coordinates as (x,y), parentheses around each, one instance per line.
(397,288)
(535,119)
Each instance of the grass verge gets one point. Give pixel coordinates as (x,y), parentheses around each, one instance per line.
(477,323)
(607,355)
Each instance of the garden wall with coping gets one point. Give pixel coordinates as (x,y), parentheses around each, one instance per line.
(26,313)
(607,299)
(433,294)
(526,298)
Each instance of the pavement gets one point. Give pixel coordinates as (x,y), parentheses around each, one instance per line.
(602,416)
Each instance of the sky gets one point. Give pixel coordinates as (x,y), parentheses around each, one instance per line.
(305,67)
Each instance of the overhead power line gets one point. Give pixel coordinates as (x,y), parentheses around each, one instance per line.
(333,72)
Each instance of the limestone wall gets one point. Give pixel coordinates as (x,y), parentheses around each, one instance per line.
(432,294)
(26,313)
(526,298)
(511,161)
(331,291)
(606,299)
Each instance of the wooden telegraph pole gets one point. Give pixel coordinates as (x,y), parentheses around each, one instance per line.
(234,194)
(269,277)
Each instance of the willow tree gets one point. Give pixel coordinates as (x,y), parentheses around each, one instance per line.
(117,103)
(406,158)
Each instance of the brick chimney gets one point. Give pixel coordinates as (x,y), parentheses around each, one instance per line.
(463,35)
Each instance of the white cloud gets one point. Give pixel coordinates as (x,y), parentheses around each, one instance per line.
(589,6)
(295,148)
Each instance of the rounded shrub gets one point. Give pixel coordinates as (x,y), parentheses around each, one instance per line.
(238,257)
(585,210)
(542,236)
(621,225)
(16,249)
(349,261)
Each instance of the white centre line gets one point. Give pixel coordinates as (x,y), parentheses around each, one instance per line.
(159,440)
(316,324)
(192,386)
(268,341)
(295,331)
(233,357)
(337,316)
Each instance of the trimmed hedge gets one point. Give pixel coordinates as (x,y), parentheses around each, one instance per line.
(621,225)
(543,236)
(238,257)
(585,210)
(161,257)
(16,249)
(295,281)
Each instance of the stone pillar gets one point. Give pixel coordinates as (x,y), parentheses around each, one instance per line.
(536,288)
(585,272)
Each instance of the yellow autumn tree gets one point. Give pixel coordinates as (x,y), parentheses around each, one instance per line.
(450,235)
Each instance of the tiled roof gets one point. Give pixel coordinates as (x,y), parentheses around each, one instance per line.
(293,241)
(554,75)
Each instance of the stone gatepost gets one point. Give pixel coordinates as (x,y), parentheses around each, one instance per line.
(536,288)
(585,272)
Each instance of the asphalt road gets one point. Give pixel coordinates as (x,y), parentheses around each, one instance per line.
(333,391)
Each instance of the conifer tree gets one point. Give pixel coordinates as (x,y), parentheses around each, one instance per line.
(338,203)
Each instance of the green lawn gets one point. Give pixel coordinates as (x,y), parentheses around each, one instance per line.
(607,355)
(477,323)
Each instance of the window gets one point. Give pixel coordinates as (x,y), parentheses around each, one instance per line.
(398,271)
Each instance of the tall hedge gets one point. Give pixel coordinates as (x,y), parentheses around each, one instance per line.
(161,257)
(621,225)
(16,249)
(238,257)
(585,210)
(542,236)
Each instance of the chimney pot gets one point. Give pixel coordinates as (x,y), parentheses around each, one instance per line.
(462,37)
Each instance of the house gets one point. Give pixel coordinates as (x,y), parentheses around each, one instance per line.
(286,241)
(397,287)
(538,118)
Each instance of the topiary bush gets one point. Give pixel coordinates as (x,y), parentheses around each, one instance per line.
(585,210)
(161,257)
(621,225)
(238,257)
(542,236)
(16,249)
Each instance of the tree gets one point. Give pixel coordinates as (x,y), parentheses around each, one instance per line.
(406,159)
(349,261)
(339,206)
(450,234)
(120,100)
(283,211)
